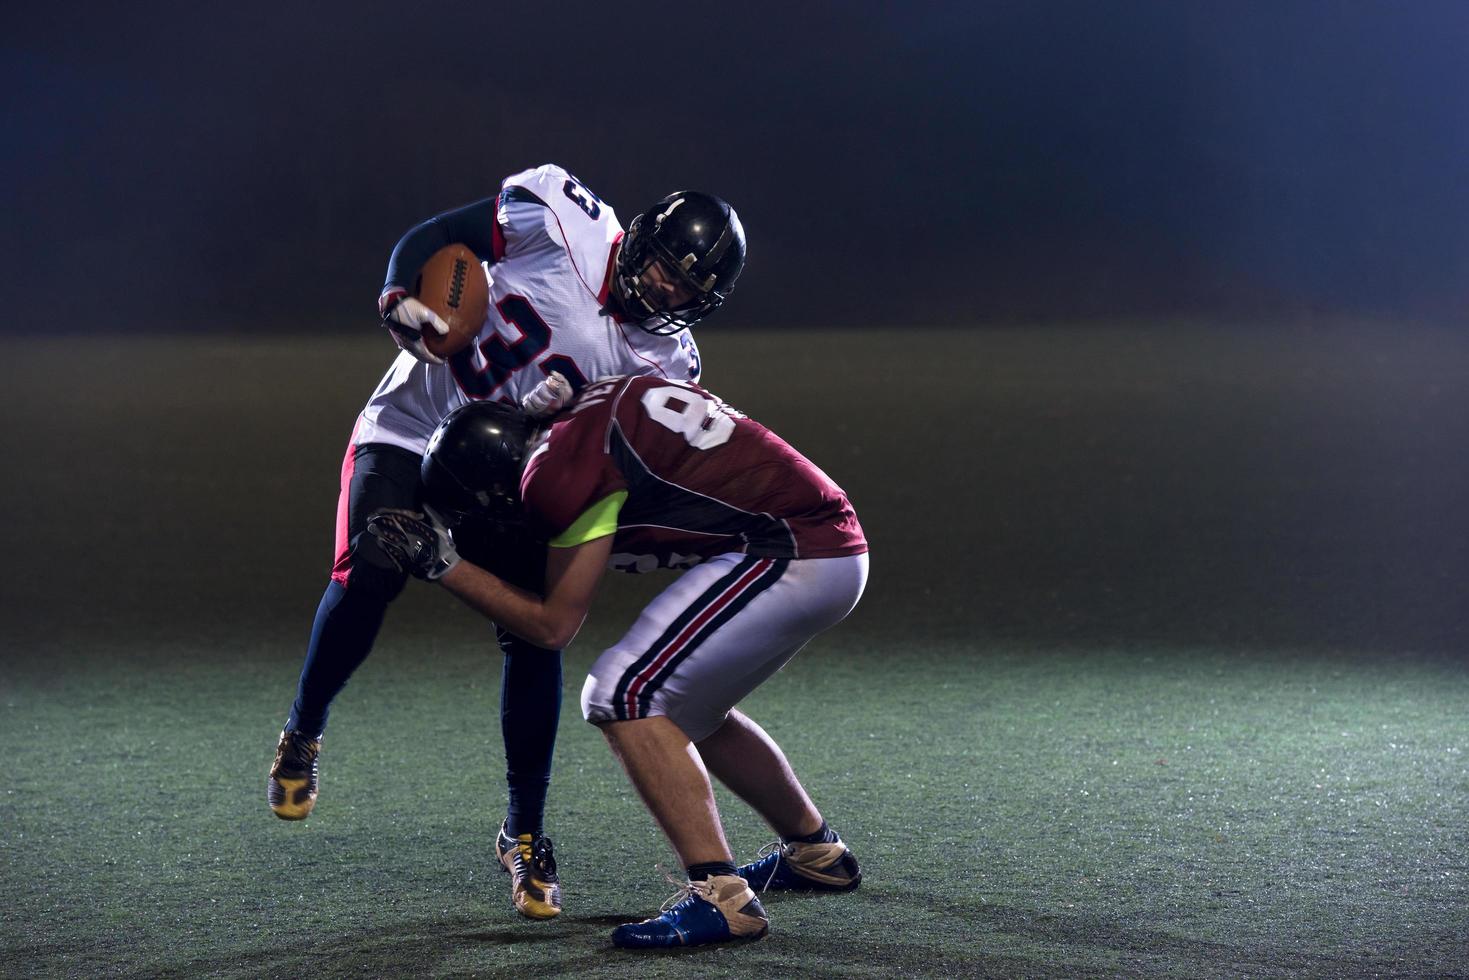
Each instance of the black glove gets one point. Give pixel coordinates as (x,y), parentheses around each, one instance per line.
(415,542)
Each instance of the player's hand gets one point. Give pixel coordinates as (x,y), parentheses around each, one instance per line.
(417,543)
(407,319)
(548,397)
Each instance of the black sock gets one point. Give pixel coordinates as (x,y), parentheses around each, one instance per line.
(703,872)
(824,835)
(530,704)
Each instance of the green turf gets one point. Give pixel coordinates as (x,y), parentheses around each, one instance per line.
(1017,812)
(1160,673)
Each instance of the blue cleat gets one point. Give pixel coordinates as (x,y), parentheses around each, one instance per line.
(803,867)
(720,910)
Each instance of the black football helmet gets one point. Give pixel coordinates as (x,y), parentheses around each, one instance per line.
(471,468)
(701,241)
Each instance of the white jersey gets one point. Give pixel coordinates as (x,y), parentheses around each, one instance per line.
(554,244)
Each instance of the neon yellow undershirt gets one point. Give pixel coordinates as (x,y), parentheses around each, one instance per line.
(599,521)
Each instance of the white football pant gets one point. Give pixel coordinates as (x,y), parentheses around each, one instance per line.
(716,634)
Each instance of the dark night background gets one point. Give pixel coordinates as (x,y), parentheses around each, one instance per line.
(1136,330)
(1176,293)
(187,166)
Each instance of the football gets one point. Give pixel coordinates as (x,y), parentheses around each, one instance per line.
(453,285)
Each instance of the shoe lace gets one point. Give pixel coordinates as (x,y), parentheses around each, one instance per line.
(774,847)
(505,844)
(685,893)
(687,890)
(305,747)
(543,858)
(297,751)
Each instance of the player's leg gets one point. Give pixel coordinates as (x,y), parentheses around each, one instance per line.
(716,905)
(747,760)
(700,647)
(530,689)
(530,711)
(347,619)
(809,856)
(670,777)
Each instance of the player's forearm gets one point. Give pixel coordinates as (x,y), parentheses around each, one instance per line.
(473,225)
(523,613)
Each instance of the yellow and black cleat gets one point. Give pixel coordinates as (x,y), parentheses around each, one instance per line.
(531,863)
(291,791)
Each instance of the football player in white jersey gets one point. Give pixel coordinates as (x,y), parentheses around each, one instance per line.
(571,299)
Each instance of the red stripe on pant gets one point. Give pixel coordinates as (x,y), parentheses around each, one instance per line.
(690,631)
(341,567)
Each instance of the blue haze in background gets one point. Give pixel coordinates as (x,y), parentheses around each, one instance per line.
(172,165)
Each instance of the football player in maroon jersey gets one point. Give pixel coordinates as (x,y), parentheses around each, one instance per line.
(641,473)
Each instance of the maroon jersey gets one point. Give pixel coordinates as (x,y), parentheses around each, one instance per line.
(699,479)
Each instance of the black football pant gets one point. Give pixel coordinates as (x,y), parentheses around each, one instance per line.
(356,600)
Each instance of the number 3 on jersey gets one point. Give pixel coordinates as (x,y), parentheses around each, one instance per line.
(581,197)
(700,420)
(503,359)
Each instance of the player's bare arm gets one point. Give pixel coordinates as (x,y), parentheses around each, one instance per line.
(419,544)
(572,575)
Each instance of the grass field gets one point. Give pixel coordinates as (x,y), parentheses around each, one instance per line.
(1160,672)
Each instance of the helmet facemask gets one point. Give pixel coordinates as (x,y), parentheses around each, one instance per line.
(708,268)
